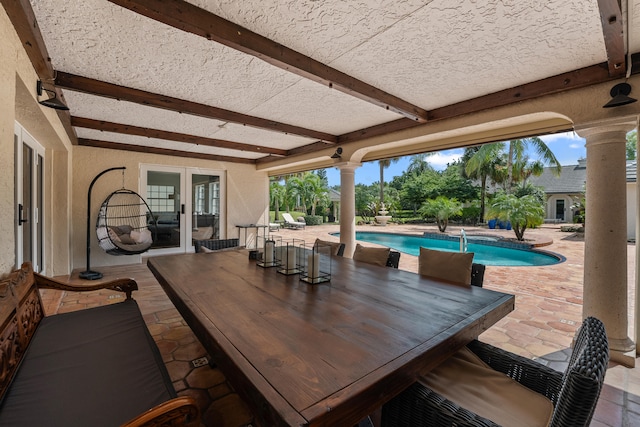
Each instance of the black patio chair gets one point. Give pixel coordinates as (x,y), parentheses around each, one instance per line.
(394,259)
(477,274)
(574,393)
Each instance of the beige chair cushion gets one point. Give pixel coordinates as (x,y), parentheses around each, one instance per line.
(451,266)
(335,247)
(375,256)
(204,250)
(469,382)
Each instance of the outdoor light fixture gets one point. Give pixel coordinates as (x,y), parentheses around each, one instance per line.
(51,102)
(619,96)
(337,154)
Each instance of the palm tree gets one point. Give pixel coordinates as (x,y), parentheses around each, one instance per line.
(517,149)
(385,163)
(441,208)
(277,195)
(310,188)
(523,212)
(419,163)
(481,163)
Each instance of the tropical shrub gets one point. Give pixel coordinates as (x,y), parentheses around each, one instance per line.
(523,212)
(313,219)
(441,208)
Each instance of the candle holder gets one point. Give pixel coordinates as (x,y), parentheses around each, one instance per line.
(288,252)
(314,263)
(270,256)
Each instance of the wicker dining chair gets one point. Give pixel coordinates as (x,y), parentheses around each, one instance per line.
(394,259)
(477,274)
(574,393)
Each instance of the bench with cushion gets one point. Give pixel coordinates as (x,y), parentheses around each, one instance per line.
(93,367)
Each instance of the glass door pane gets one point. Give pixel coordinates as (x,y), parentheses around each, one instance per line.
(39,217)
(560,209)
(205,207)
(25,208)
(164,199)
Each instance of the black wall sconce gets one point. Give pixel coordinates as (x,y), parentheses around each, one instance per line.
(337,154)
(619,96)
(53,102)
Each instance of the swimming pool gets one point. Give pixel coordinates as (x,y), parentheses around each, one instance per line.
(485,251)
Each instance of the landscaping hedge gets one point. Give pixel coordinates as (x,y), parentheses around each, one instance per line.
(313,219)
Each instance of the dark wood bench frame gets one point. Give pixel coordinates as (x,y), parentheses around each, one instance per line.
(21,311)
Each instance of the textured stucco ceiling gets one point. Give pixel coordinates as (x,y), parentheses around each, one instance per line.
(429,53)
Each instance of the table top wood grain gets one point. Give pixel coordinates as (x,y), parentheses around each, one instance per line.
(327,354)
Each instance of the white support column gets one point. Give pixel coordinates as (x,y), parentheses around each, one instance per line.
(605,253)
(348,206)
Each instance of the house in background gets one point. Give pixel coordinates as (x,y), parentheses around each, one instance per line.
(565,190)
(562,191)
(632,199)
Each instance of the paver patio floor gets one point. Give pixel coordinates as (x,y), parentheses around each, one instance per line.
(548,311)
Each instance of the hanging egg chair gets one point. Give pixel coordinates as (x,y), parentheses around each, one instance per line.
(123,224)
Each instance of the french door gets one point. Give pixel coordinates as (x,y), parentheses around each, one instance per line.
(29,199)
(188,204)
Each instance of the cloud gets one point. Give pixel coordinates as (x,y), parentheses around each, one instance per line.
(440,159)
(561,137)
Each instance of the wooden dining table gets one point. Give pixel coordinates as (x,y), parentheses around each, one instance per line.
(326,354)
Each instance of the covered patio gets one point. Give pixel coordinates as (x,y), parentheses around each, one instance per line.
(548,310)
(241,91)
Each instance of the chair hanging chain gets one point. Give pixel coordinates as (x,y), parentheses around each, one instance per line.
(123,179)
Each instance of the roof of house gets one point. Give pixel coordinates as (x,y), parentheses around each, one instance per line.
(572,179)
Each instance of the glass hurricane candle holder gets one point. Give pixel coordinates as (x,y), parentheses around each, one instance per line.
(271,256)
(288,250)
(314,263)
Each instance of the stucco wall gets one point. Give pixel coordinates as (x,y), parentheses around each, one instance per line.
(69,170)
(246,194)
(18,103)
(7,95)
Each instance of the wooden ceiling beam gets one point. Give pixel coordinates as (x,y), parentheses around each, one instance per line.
(613,32)
(24,21)
(187,17)
(562,82)
(123,93)
(162,151)
(104,126)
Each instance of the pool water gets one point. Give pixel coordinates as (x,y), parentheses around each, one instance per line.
(483,253)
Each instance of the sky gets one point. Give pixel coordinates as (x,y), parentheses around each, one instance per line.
(567,147)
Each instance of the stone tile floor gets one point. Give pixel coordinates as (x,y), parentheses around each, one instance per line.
(548,311)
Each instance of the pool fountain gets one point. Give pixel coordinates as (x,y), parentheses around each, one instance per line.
(382,218)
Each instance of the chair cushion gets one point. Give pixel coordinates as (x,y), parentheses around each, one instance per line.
(469,382)
(451,266)
(335,246)
(204,250)
(375,256)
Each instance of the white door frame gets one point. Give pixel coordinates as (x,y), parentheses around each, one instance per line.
(186,215)
(35,218)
